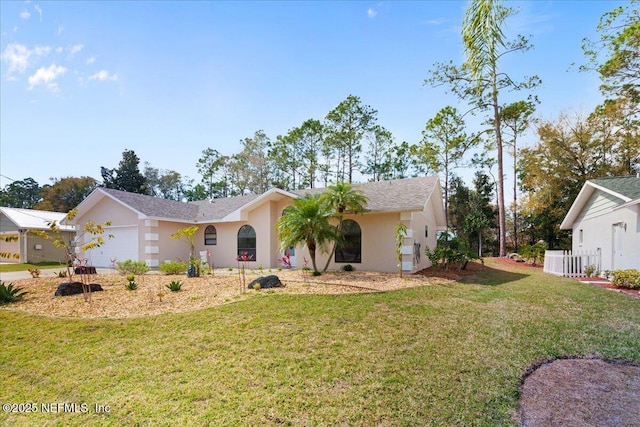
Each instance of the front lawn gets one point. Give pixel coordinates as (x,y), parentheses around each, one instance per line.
(442,354)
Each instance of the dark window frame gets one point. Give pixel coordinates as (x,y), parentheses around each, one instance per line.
(247,241)
(210,238)
(350,250)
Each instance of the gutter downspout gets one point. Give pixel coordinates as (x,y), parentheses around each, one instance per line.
(23,255)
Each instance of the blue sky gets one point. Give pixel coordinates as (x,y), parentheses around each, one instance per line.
(83,81)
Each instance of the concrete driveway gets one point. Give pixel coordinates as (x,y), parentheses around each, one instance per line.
(8,276)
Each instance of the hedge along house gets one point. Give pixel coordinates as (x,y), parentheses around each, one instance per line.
(141,226)
(18,245)
(605,218)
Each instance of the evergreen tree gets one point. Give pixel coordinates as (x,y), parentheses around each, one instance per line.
(23,194)
(127,176)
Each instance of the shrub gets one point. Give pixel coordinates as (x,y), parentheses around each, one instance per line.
(534,253)
(173,267)
(174,286)
(132,267)
(132,285)
(10,294)
(61,274)
(589,270)
(450,250)
(205,268)
(317,273)
(256,286)
(348,267)
(626,279)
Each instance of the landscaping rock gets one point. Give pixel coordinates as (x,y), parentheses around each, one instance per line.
(266,282)
(73,288)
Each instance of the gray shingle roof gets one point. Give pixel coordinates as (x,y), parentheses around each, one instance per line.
(393,196)
(155,207)
(219,208)
(628,186)
(383,196)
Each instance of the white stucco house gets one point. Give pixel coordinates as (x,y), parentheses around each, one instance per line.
(141,226)
(18,245)
(605,217)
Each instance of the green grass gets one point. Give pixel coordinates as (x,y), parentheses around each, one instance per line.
(441,355)
(25,267)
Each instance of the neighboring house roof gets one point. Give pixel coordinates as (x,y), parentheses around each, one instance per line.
(626,189)
(31,219)
(403,195)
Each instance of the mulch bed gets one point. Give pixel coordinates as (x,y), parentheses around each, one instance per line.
(574,391)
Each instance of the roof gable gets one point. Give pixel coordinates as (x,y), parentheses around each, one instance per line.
(623,190)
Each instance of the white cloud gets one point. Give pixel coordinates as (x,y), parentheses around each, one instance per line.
(39,10)
(75,49)
(59,30)
(371,13)
(47,77)
(103,75)
(91,60)
(17,56)
(42,50)
(25,14)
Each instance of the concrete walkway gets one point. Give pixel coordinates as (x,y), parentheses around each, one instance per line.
(8,276)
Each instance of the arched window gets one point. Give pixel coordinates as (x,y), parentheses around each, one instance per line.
(350,250)
(210,235)
(247,241)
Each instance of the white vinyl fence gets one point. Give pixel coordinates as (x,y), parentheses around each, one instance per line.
(568,264)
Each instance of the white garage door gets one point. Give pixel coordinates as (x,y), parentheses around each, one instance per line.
(122,246)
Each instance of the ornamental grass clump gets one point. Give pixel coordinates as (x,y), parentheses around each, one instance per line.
(10,294)
(131,285)
(174,286)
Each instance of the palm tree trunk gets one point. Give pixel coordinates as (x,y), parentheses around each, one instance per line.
(312,255)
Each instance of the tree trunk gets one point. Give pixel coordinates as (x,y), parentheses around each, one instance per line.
(312,255)
(501,210)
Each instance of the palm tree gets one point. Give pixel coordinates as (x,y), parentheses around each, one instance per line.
(339,199)
(483,38)
(306,220)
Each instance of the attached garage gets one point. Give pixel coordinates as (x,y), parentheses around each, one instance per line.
(122,246)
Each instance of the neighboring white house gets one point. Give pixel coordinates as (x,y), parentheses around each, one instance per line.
(605,217)
(17,245)
(141,226)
